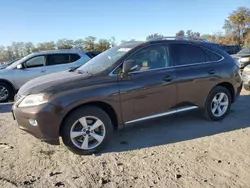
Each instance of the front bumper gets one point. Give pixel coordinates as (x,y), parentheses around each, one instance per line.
(48,118)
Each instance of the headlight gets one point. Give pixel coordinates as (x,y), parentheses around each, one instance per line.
(244,59)
(33,100)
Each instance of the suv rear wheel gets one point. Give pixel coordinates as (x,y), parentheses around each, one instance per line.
(6,92)
(87,130)
(218,103)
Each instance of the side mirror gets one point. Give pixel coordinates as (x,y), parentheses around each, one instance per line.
(19,66)
(129,66)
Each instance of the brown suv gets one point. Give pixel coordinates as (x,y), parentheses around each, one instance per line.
(128,83)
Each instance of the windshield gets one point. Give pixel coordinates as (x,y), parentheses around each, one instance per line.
(104,60)
(245,51)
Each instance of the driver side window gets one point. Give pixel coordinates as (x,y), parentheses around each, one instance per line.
(152,57)
(37,61)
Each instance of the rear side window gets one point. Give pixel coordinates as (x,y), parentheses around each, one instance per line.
(57,59)
(212,56)
(184,54)
(74,57)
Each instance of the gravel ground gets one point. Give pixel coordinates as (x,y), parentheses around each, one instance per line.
(178,151)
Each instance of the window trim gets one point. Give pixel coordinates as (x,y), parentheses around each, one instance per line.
(177,66)
(24,63)
(164,45)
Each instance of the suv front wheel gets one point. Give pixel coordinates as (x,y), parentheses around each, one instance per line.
(87,130)
(218,103)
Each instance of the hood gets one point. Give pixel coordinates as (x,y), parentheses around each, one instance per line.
(54,82)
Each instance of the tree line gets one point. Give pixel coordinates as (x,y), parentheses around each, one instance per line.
(236,32)
(21,49)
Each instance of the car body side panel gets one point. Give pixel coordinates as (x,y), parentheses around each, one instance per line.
(195,83)
(147,93)
(21,76)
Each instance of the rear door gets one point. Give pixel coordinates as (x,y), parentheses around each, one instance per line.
(196,72)
(64,62)
(32,68)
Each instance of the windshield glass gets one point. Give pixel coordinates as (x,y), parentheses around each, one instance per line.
(244,51)
(104,60)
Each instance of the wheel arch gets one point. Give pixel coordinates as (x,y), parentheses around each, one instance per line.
(229,87)
(9,83)
(103,105)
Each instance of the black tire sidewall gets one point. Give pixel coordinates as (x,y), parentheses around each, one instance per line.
(77,114)
(208,111)
(10,91)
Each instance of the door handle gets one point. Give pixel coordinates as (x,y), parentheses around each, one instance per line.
(43,71)
(168,78)
(211,71)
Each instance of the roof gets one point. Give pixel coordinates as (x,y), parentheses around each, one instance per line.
(59,51)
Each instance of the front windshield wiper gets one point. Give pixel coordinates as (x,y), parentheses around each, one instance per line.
(82,72)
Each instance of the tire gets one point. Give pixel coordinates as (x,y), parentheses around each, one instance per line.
(92,115)
(6,92)
(212,104)
(246,87)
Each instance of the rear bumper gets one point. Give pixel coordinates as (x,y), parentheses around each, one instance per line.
(48,120)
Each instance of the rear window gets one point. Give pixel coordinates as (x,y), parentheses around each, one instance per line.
(57,59)
(184,54)
(74,57)
(212,56)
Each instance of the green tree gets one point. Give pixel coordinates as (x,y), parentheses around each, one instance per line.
(89,43)
(180,33)
(79,44)
(102,45)
(47,46)
(190,33)
(237,23)
(112,41)
(28,47)
(65,44)
(155,35)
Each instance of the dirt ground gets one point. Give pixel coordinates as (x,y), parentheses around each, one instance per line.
(178,151)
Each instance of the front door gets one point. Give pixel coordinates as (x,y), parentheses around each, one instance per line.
(150,90)
(32,68)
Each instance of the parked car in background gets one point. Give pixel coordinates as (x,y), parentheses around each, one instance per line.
(3,66)
(35,65)
(243,57)
(246,77)
(231,49)
(129,83)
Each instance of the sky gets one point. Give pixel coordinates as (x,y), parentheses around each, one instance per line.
(49,20)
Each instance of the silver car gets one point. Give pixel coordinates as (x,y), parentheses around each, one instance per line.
(35,65)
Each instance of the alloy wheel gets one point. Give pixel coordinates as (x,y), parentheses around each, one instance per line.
(219,104)
(4,93)
(87,132)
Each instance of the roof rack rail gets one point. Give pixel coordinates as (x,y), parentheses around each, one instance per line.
(190,38)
